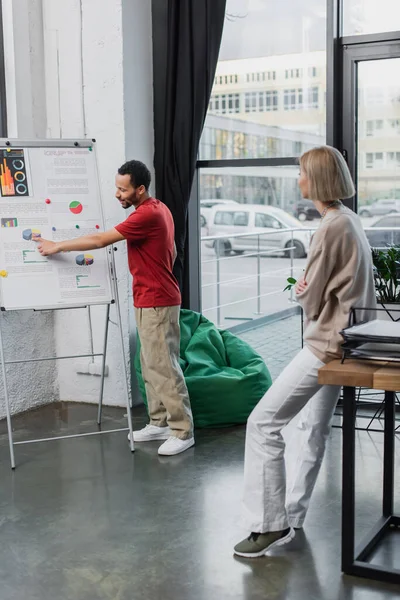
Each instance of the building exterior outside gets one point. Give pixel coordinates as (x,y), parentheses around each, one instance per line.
(276,107)
(285,91)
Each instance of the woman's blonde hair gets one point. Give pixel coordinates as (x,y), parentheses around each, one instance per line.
(328,174)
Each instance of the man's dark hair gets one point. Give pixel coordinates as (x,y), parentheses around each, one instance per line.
(138,172)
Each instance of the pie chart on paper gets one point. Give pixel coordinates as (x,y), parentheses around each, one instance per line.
(76,207)
(84,259)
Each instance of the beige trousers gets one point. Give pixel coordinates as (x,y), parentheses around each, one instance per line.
(166,390)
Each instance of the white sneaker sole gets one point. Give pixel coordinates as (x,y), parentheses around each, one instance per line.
(189,444)
(154,438)
(281,542)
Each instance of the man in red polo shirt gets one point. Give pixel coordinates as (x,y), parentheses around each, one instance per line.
(149,232)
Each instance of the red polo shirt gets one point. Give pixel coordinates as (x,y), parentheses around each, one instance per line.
(149,232)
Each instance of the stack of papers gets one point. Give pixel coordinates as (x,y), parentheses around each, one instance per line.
(375,340)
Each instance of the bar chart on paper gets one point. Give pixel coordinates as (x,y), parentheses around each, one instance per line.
(9,222)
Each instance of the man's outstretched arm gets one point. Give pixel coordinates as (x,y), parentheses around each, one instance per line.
(86,242)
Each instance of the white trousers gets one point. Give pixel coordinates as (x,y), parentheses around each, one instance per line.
(266,506)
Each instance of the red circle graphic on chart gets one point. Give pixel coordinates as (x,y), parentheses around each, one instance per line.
(76,207)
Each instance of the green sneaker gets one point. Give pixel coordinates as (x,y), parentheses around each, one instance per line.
(258,544)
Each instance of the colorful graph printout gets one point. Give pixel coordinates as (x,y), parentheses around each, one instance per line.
(75,207)
(28,233)
(84,259)
(13,175)
(11,222)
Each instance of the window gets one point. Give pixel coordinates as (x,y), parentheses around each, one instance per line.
(292,99)
(369,160)
(235,219)
(225,104)
(247,103)
(252,39)
(378,159)
(297,147)
(264,220)
(241,219)
(393,159)
(313,97)
(293,73)
(374,160)
(226,79)
(251,102)
(260,76)
(271,101)
(373,127)
(261,101)
(394,126)
(370,16)
(224,218)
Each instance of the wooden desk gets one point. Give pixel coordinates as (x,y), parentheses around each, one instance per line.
(378,376)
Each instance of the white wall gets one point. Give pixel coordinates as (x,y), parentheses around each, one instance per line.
(96,101)
(138,108)
(90,89)
(26,334)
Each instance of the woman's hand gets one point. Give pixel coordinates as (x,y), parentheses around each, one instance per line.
(301,286)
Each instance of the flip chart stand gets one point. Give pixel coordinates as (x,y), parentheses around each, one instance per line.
(92,354)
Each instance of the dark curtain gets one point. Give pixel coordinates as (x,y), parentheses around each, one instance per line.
(186,40)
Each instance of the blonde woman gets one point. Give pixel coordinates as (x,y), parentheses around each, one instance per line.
(338,276)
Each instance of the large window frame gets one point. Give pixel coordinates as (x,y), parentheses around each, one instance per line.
(339,104)
(380,47)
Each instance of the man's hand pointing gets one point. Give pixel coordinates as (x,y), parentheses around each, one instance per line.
(45,247)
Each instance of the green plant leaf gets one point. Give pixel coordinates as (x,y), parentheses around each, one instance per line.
(387,273)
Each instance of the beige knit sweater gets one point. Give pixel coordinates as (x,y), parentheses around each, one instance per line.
(339,276)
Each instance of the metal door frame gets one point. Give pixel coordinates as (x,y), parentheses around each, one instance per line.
(352,55)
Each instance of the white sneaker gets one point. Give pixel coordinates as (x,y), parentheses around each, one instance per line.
(174,445)
(151,433)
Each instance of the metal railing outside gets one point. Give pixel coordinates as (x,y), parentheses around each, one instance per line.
(259,253)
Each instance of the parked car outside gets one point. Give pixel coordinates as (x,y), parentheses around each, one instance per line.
(207,205)
(382,239)
(304,210)
(380,207)
(258,219)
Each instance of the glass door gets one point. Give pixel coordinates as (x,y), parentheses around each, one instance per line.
(371,135)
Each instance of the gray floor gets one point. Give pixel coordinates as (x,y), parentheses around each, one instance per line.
(278,342)
(84,519)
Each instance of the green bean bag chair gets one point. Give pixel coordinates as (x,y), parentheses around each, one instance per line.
(224,375)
